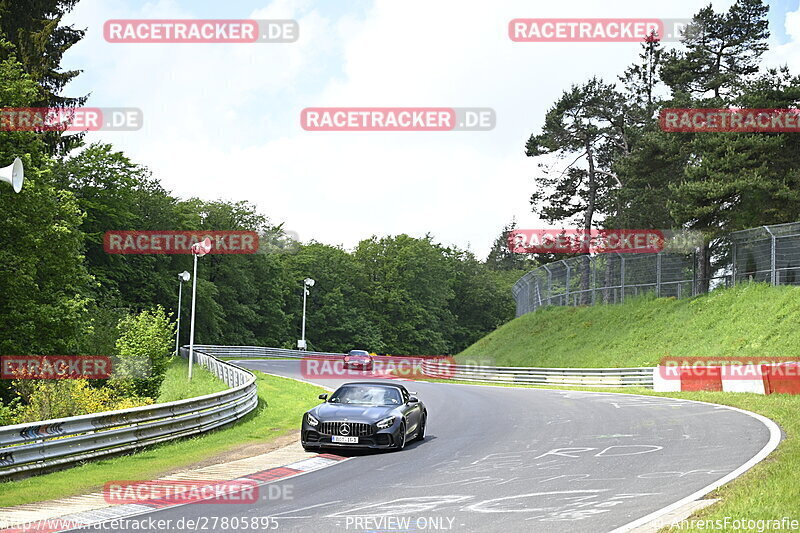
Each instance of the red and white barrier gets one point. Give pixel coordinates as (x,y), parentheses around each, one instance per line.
(758,379)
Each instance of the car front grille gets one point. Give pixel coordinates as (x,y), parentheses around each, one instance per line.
(356,429)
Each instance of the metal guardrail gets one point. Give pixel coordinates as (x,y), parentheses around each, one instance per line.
(38,446)
(245,352)
(445,369)
(586,377)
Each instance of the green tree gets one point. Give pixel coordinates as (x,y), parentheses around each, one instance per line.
(118,194)
(587,127)
(481,300)
(409,289)
(720,61)
(44,282)
(243,295)
(722,51)
(502,258)
(338,316)
(144,348)
(39,41)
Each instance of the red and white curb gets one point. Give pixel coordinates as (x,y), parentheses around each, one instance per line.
(98,516)
(759,379)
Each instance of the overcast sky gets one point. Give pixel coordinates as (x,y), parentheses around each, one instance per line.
(222,120)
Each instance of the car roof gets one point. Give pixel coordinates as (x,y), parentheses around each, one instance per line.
(374,383)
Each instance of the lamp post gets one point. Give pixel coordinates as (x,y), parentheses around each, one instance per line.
(183,276)
(199,249)
(307,283)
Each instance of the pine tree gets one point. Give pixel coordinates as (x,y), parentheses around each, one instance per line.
(39,43)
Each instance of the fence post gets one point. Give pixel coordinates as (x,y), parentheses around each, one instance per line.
(658,275)
(594,278)
(549,285)
(772,272)
(733,264)
(622,277)
(538,293)
(566,290)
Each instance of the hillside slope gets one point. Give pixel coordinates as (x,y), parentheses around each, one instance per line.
(748,320)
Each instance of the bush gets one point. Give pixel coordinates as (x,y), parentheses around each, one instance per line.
(59,398)
(8,412)
(144,348)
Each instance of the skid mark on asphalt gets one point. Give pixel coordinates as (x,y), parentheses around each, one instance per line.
(317,506)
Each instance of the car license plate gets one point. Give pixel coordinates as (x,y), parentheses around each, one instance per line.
(345,440)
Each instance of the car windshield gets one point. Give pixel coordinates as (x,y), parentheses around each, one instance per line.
(358,352)
(366,395)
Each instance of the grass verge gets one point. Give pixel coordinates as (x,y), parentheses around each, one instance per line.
(176,385)
(282,403)
(749,320)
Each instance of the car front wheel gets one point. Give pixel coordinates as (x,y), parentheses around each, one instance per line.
(421,428)
(402,437)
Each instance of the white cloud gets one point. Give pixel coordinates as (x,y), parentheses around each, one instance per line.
(223,120)
(789,52)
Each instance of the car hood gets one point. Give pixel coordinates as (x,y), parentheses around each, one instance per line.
(329,411)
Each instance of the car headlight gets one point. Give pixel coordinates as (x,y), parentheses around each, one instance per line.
(386,423)
(311,420)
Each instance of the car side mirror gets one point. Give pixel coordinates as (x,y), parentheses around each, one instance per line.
(323,396)
(413,399)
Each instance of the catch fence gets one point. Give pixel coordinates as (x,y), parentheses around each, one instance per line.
(766,254)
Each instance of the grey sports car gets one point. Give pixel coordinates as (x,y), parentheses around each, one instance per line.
(365,414)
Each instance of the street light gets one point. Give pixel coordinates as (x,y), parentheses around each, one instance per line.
(307,283)
(183,276)
(199,249)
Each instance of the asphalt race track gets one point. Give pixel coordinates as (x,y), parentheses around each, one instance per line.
(511,459)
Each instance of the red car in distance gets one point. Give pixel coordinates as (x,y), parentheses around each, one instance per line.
(358,360)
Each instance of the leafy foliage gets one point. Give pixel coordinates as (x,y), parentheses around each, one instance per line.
(144,348)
